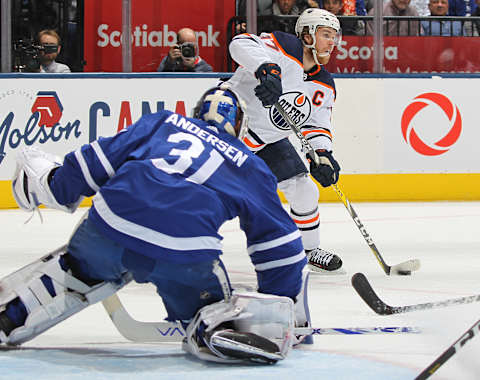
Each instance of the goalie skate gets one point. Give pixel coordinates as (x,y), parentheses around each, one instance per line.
(325,262)
(244,345)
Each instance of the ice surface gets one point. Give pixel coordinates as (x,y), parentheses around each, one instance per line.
(443,235)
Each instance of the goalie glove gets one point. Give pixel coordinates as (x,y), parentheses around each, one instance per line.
(328,171)
(270,87)
(30,183)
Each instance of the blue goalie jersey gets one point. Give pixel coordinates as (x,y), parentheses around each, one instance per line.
(164,186)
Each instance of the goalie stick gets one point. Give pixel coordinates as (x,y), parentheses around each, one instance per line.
(366,292)
(450,351)
(138,331)
(404,268)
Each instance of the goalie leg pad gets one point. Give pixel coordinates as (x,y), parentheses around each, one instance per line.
(48,294)
(259,327)
(302,311)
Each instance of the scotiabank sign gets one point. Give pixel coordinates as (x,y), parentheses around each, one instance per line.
(408,54)
(154,25)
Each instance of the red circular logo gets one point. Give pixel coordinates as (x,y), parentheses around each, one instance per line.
(451,112)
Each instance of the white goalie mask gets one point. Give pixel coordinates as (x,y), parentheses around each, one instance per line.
(308,23)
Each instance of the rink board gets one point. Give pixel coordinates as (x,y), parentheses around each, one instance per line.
(396,139)
(368,188)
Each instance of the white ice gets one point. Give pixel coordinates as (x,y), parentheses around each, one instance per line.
(444,236)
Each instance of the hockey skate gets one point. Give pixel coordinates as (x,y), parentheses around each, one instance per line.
(325,262)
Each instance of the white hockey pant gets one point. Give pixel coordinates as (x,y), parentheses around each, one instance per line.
(269,316)
(302,194)
(44,310)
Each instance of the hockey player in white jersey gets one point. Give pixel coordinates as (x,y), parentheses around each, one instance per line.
(163,187)
(278,67)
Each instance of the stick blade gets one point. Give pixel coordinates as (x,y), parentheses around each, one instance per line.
(405,268)
(366,292)
(138,331)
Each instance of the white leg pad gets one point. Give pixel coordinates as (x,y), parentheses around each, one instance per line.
(45,311)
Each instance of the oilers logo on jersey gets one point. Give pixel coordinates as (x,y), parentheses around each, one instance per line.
(296,104)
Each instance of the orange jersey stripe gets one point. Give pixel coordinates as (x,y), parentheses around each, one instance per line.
(323,131)
(251,144)
(324,84)
(284,52)
(307,221)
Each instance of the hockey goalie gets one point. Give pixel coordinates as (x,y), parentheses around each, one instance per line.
(162,188)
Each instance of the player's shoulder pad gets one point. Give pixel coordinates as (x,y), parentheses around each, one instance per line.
(321,74)
(290,44)
(245,36)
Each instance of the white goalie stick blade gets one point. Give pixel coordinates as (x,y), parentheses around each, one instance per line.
(138,331)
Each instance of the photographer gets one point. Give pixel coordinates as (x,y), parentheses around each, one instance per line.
(184,55)
(50,41)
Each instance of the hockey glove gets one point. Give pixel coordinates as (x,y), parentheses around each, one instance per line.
(328,171)
(270,87)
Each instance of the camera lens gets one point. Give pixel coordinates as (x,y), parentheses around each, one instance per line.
(188,50)
(50,48)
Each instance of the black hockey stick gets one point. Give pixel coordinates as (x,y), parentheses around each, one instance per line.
(366,292)
(404,268)
(450,351)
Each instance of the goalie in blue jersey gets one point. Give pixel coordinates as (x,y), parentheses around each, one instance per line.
(162,188)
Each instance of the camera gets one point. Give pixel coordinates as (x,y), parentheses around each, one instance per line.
(26,55)
(187,49)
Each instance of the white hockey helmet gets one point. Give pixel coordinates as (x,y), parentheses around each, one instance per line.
(314,18)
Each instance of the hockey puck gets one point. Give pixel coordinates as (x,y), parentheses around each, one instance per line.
(404,272)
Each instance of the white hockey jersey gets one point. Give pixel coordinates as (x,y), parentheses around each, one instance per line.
(308,97)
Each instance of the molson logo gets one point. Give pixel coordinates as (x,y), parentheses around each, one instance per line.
(40,122)
(452,114)
(298,107)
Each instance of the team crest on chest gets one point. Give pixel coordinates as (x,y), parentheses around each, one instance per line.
(298,107)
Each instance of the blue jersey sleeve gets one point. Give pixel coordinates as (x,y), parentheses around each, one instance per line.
(85,170)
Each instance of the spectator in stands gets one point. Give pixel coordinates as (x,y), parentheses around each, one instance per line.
(397,27)
(51,43)
(350,7)
(184,55)
(349,26)
(461,7)
(440,27)
(421,6)
(280,8)
(476,13)
(283,8)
